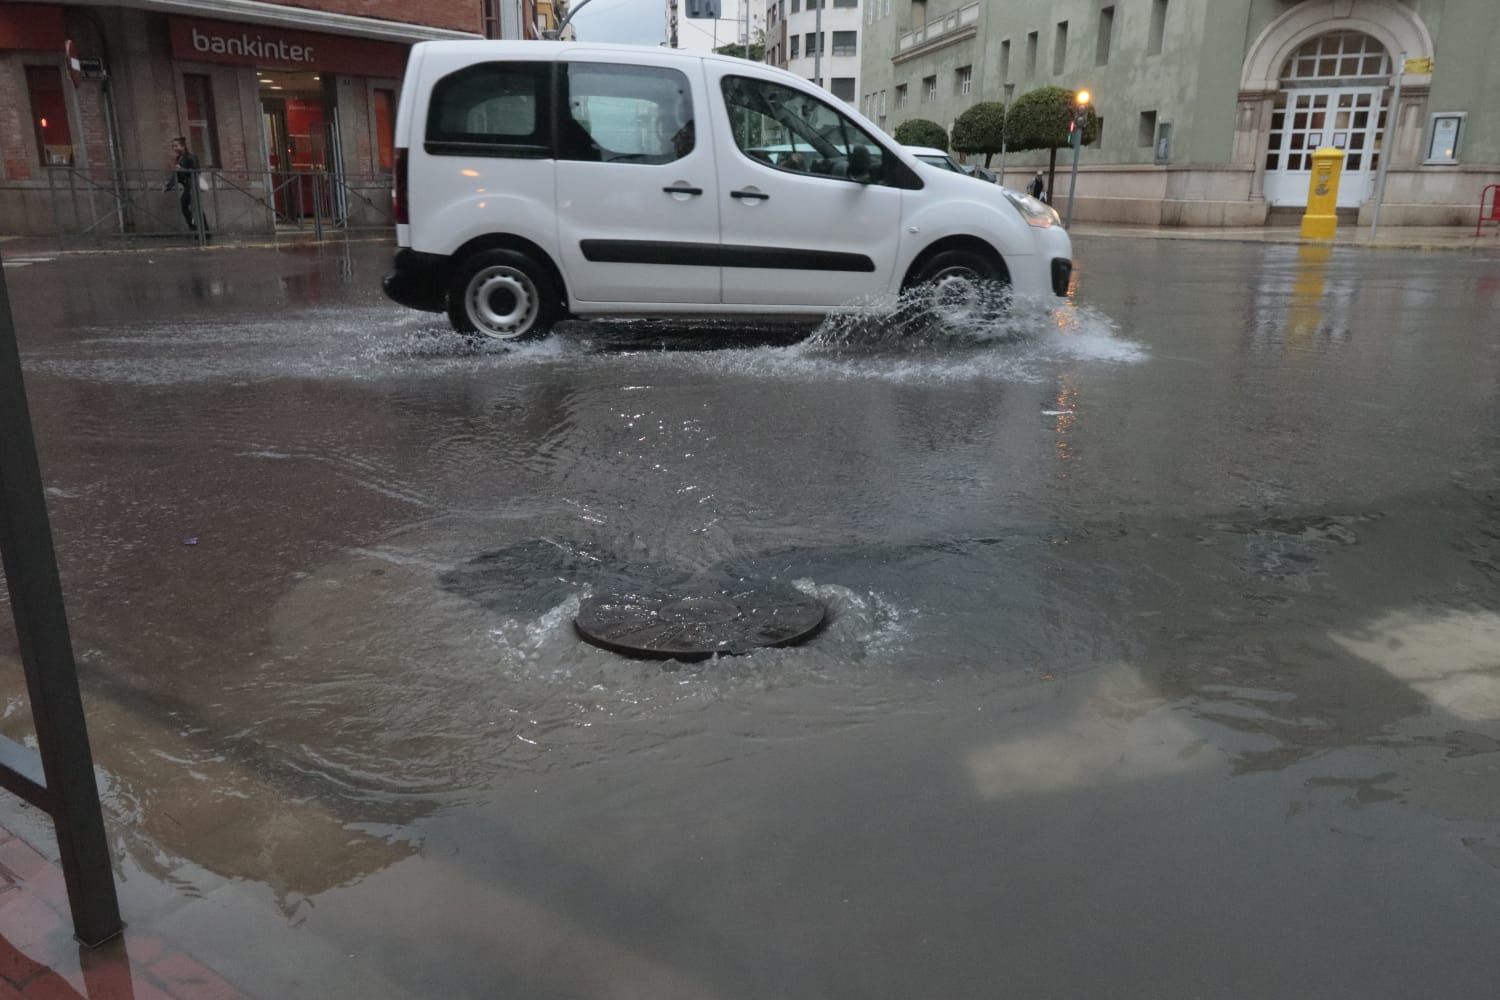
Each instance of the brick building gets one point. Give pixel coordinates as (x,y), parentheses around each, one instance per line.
(291,106)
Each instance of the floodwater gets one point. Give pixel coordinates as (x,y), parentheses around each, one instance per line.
(1163,656)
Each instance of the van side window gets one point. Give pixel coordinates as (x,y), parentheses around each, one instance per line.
(790,130)
(492,109)
(624,114)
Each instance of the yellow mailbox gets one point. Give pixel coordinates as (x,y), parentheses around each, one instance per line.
(1321,220)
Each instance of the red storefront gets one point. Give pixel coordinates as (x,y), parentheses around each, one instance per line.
(92,95)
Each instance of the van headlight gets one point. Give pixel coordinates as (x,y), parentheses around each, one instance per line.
(1036,213)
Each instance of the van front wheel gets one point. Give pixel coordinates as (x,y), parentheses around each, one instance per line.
(502,295)
(961,286)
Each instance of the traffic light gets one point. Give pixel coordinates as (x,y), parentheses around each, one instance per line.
(703,9)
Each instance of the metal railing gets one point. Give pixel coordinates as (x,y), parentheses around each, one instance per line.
(103,206)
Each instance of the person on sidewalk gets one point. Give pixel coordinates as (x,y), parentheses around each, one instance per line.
(185,175)
(1038,187)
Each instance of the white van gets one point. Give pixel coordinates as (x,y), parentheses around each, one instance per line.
(535,180)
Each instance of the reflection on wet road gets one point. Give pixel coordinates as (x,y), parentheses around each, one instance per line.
(1162,657)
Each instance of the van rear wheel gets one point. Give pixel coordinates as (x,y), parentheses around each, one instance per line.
(502,295)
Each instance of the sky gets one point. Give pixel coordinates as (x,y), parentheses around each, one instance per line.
(644,22)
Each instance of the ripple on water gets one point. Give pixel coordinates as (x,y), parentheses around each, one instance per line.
(891,342)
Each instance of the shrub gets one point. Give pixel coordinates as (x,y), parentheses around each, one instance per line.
(921,132)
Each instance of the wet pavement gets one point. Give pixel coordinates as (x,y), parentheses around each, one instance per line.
(1162,658)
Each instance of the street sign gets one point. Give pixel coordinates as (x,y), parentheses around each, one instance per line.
(699,9)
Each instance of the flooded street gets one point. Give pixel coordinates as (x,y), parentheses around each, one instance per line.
(1163,653)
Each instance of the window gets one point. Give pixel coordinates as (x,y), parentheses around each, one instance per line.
(49,115)
(900,95)
(1106,36)
(1059,48)
(1146,130)
(963,79)
(492,28)
(1338,54)
(492,109)
(796,6)
(929,89)
(796,47)
(385,129)
(1005,61)
(886,9)
(842,88)
(202,128)
(814,43)
(846,3)
(784,128)
(1031,40)
(1158,27)
(625,114)
(846,43)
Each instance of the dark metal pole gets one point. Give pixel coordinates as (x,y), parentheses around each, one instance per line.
(47,656)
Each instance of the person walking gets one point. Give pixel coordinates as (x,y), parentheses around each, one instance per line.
(185,175)
(1038,187)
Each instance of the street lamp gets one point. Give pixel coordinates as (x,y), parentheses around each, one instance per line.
(1075,127)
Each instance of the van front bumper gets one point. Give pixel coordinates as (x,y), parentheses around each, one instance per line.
(418,280)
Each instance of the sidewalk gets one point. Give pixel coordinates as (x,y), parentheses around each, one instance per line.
(1389,237)
(39,960)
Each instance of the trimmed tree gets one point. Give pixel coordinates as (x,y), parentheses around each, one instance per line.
(921,132)
(1039,119)
(981,129)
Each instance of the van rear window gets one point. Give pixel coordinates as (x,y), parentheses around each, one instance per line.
(495,109)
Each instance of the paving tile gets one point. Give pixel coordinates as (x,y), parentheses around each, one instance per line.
(186,979)
(16,967)
(21,860)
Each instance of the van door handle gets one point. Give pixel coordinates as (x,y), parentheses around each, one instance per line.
(682,189)
(749,194)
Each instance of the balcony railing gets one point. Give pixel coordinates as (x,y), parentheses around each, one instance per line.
(950,27)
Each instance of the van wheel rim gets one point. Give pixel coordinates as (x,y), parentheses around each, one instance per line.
(956,293)
(502,302)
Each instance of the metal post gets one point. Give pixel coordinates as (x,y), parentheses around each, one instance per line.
(70,795)
(1388,145)
(818,42)
(1008,91)
(1073,181)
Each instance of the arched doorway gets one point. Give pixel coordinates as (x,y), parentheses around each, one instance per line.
(1333,93)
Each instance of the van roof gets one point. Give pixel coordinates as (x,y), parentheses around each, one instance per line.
(538,49)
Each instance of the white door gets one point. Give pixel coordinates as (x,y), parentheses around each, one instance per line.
(637,193)
(1347,118)
(807,218)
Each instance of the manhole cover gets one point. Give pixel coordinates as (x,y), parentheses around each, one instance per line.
(695,626)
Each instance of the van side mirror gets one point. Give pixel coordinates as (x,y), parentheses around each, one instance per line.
(859,165)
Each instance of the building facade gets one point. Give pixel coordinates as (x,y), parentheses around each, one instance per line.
(291,109)
(1210,108)
(830,57)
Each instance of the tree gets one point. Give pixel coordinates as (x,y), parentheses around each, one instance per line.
(981,129)
(755,51)
(1039,119)
(921,132)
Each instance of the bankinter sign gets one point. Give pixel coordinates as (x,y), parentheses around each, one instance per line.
(269,47)
(245,44)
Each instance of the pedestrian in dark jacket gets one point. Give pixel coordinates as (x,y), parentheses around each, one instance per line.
(1038,187)
(185,176)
